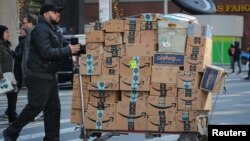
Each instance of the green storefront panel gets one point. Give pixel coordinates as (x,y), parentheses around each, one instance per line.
(221,45)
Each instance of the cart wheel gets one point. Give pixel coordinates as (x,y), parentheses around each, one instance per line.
(86,136)
(188,137)
(202,138)
(149,135)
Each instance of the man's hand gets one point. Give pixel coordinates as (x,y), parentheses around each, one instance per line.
(74,48)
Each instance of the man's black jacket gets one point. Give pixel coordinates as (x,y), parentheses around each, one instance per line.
(46,50)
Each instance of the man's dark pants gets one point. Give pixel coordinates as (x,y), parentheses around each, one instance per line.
(42,95)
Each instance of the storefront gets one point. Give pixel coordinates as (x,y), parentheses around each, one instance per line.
(76,15)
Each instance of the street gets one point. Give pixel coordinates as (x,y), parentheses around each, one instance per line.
(229,108)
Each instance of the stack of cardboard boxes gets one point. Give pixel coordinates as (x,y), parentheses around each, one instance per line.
(143,74)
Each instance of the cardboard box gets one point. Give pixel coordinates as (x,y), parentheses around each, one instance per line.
(169,59)
(108,106)
(127,83)
(104,82)
(131,116)
(85,80)
(194,99)
(132,37)
(105,78)
(76,86)
(150,16)
(113,39)
(114,50)
(213,79)
(196,62)
(96,36)
(161,124)
(107,122)
(110,66)
(164,74)
(132,24)
(167,89)
(199,30)
(90,65)
(114,26)
(129,64)
(94,48)
(76,116)
(186,121)
(101,118)
(76,92)
(77,103)
(148,25)
(149,36)
(141,49)
(199,46)
(172,36)
(189,80)
(104,96)
(157,104)
(134,96)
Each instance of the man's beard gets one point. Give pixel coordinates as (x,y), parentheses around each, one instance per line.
(54,22)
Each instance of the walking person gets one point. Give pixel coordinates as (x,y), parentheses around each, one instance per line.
(6,66)
(230,53)
(236,56)
(21,52)
(17,69)
(248,74)
(46,53)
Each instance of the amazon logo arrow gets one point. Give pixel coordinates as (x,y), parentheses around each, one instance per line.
(162,107)
(146,65)
(165,124)
(111,119)
(129,84)
(189,100)
(106,86)
(159,89)
(108,66)
(143,114)
(107,106)
(139,95)
(96,63)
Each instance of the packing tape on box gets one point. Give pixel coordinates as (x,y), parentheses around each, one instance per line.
(162,120)
(132,24)
(163,89)
(131,37)
(148,17)
(114,51)
(133,96)
(101,89)
(187,85)
(188,92)
(99,114)
(132,111)
(90,67)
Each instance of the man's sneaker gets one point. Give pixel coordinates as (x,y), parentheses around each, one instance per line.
(4,116)
(247,78)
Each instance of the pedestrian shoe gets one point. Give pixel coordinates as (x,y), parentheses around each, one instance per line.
(6,136)
(3,116)
(247,78)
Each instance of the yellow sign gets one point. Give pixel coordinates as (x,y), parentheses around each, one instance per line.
(233,8)
(132,64)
